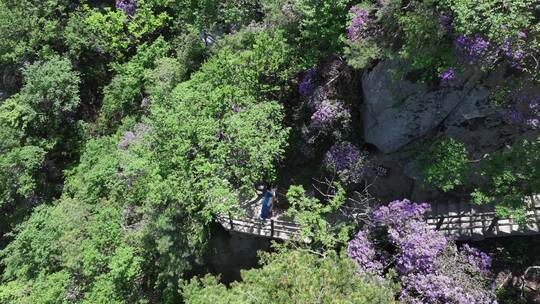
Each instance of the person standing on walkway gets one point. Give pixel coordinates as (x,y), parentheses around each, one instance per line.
(267,203)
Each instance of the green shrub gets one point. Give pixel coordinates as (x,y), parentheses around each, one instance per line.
(322,27)
(293,277)
(509,177)
(424,41)
(444,164)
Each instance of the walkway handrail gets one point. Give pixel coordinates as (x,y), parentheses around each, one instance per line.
(468,222)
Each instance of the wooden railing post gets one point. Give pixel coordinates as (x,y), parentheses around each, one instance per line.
(230,220)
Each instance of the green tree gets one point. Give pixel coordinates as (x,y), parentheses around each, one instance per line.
(66,251)
(509,177)
(150,189)
(123,96)
(322,28)
(29,29)
(293,277)
(444,164)
(421,26)
(115,33)
(314,215)
(496,19)
(36,125)
(47,100)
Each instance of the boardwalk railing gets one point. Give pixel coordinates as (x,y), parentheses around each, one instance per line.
(271,228)
(461,220)
(466,221)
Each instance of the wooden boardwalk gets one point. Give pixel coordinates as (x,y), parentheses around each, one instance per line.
(458,219)
(270,228)
(278,227)
(465,221)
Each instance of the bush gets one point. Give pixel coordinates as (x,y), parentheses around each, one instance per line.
(124,95)
(509,176)
(47,101)
(321,28)
(445,164)
(427,265)
(293,277)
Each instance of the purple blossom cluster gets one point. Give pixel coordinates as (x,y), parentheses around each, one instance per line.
(418,244)
(133,137)
(327,112)
(399,212)
(361,250)
(514,55)
(422,288)
(447,75)
(324,115)
(430,286)
(342,156)
(446,23)
(346,160)
(525,111)
(359,25)
(430,269)
(236,108)
(478,260)
(419,247)
(145,103)
(127,6)
(476,49)
(306,85)
(473,48)
(513,50)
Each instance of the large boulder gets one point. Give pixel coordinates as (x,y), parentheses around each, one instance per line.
(398,111)
(481,127)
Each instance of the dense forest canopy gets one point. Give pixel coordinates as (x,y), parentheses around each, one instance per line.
(126,126)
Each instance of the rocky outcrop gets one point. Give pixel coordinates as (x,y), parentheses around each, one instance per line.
(479,126)
(229,253)
(398,111)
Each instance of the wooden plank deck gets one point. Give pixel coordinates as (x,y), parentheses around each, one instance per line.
(465,221)
(270,228)
(278,227)
(458,219)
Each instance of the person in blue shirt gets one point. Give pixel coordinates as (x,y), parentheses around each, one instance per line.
(267,204)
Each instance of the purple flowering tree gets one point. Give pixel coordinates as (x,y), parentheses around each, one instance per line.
(475,49)
(447,75)
(525,111)
(446,23)
(513,50)
(328,113)
(429,267)
(127,6)
(133,137)
(307,83)
(366,39)
(347,161)
(359,25)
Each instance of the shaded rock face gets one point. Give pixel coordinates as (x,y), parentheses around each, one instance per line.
(398,111)
(481,128)
(229,253)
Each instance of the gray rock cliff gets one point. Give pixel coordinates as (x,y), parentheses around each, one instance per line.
(397,111)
